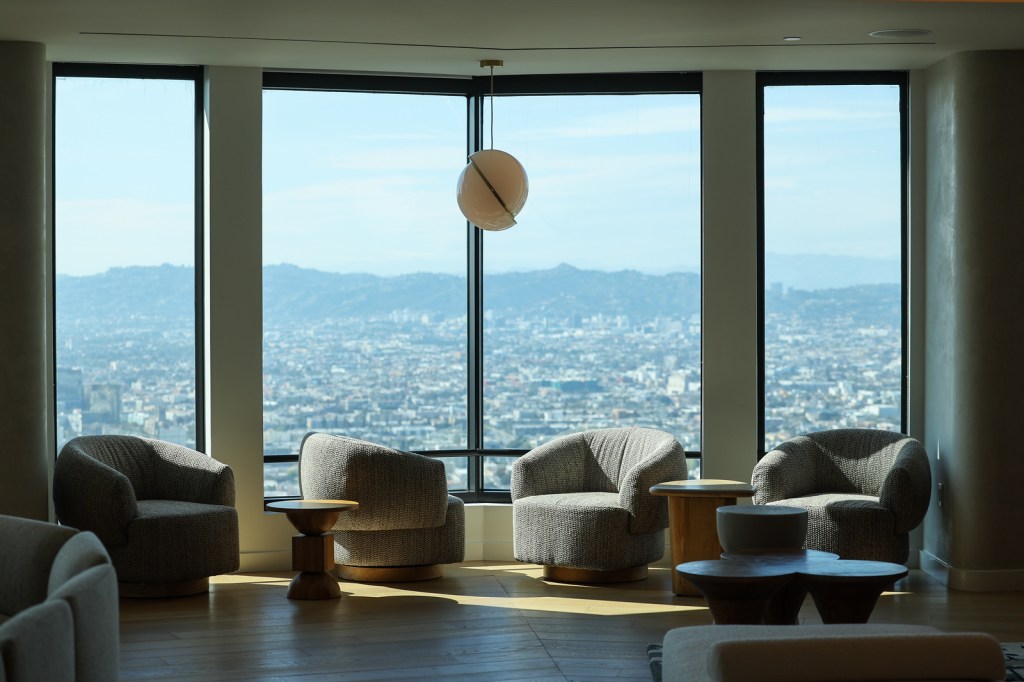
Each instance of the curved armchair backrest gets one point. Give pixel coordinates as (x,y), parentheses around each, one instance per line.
(618,451)
(394,489)
(158,470)
(127,455)
(597,461)
(885,464)
(854,460)
(191,476)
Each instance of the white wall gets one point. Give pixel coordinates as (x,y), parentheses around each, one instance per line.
(25,401)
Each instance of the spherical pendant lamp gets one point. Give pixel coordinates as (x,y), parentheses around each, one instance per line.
(492,189)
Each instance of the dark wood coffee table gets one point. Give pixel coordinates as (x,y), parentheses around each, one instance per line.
(784,605)
(770,588)
(737,592)
(313,551)
(847,591)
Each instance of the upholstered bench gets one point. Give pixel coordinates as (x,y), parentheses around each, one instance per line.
(828,653)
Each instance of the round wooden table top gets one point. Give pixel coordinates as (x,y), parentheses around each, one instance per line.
(734,571)
(312,517)
(852,570)
(781,556)
(310,505)
(704,487)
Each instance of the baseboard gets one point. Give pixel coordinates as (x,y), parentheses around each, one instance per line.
(1003,580)
(271,560)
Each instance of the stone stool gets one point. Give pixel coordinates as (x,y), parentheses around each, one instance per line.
(761,528)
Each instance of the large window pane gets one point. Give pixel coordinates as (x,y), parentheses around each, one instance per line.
(592,302)
(832,241)
(125,257)
(364,281)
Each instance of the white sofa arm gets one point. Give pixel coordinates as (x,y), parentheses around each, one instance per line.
(828,653)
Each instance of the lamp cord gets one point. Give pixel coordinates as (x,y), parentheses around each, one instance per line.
(492,107)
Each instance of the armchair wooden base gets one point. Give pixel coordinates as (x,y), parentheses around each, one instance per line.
(564,574)
(389,574)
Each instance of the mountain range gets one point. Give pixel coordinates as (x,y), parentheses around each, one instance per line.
(293,294)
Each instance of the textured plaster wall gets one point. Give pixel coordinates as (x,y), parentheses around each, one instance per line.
(975,317)
(24,479)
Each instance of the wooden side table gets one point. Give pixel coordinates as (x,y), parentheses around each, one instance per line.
(313,550)
(693,533)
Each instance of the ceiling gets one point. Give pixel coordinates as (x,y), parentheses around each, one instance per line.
(449,37)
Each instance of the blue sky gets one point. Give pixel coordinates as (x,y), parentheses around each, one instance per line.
(364,182)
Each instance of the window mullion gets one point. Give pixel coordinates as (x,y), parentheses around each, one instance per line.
(475,317)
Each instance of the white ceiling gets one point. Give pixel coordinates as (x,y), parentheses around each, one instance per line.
(532,36)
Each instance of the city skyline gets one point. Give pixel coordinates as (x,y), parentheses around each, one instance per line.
(398,376)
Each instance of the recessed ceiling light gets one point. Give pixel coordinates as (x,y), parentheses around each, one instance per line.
(792,38)
(900,33)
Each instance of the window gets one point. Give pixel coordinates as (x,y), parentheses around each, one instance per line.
(388,318)
(833,196)
(364,282)
(592,303)
(127,214)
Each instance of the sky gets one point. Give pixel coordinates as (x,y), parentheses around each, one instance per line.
(359,182)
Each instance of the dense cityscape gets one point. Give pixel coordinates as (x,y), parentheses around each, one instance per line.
(398,377)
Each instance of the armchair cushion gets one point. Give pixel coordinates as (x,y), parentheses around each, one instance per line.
(173,541)
(582,530)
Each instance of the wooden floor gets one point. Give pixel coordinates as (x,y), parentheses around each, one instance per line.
(482,621)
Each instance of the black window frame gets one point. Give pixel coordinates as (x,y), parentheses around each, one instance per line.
(145,72)
(476,89)
(765,79)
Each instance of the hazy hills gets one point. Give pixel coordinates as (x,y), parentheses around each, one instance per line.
(137,295)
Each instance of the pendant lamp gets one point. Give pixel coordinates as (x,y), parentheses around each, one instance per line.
(492,188)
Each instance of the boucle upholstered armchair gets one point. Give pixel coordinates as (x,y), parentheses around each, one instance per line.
(58,605)
(406,525)
(165,513)
(581,503)
(864,490)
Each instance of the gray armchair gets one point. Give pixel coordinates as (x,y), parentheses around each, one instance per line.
(864,490)
(406,525)
(165,513)
(581,503)
(58,605)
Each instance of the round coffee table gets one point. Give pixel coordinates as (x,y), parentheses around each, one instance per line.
(846,591)
(772,587)
(738,592)
(313,551)
(784,605)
